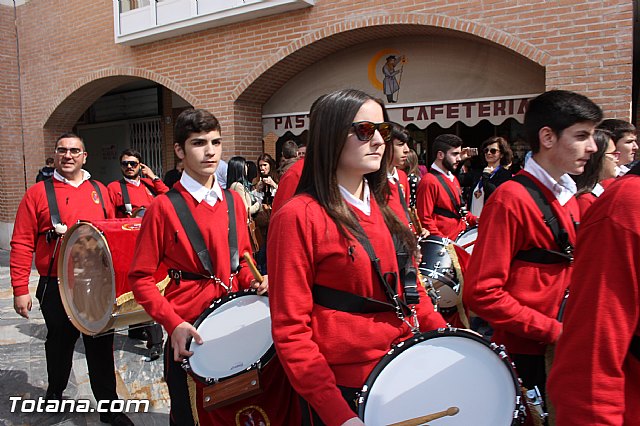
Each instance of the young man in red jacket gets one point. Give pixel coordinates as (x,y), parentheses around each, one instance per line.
(77,198)
(163,239)
(595,379)
(521,264)
(137,189)
(439,198)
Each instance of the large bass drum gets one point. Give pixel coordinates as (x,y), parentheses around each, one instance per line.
(439,370)
(93,265)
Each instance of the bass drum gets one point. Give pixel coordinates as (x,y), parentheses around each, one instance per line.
(439,370)
(467,239)
(93,265)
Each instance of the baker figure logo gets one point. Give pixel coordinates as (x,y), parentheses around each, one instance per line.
(94,197)
(252,415)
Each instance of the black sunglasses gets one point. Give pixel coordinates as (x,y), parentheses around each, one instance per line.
(365,130)
(129,163)
(491,150)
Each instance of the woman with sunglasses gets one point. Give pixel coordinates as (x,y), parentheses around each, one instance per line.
(599,172)
(497,156)
(340,205)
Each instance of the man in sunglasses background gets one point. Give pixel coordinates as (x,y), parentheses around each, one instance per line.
(137,189)
(38,231)
(439,198)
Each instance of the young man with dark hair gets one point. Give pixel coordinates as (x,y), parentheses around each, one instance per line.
(521,263)
(47,171)
(289,156)
(439,199)
(77,197)
(163,239)
(624,136)
(136,190)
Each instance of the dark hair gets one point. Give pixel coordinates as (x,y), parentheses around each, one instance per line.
(252,171)
(193,121)
(503,145)
(444,143)
(329,126)
(49,160)
(399,132)
(289,149)
(617,128)
(69,135)
(235,171)
(272,165)
(131,153)
(586,181)
(557,109)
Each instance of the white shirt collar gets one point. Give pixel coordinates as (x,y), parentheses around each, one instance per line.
(597,190)
(363,205)
(85,176)
(201,192)
(563,189)
(134,182)
(448,174)
(393,177)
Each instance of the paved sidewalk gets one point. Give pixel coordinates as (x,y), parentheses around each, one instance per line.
(23,369)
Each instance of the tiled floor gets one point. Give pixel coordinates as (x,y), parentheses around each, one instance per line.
(23,368)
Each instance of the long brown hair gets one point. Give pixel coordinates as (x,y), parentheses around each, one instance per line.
(329,125)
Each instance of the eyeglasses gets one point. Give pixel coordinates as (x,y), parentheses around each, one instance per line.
(366,129)
(63,151)
(129,163)
(614,154)
(493,151)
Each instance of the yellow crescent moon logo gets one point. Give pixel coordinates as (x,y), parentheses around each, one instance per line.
(373,66)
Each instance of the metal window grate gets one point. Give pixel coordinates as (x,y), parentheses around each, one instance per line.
(146,138)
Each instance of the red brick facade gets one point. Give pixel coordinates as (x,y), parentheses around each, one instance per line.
(68,59)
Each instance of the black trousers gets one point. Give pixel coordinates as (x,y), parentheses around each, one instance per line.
(61,340)
(176,378)
(311,418)
(531,370)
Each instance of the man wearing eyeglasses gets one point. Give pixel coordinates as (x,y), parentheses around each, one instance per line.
(37,230)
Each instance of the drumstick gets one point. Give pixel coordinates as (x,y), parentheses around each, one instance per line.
(252,267)
(416,222)
(451,411)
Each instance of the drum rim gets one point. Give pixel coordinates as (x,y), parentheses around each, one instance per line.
(259,364)
(421,337)
(62,279)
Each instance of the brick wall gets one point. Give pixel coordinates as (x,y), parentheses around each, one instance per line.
(69,58)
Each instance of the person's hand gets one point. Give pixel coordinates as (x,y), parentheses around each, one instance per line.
(488,170)
(353,422)
(146,171)
(262,287)
(269,182)
(22,305)
(179,340)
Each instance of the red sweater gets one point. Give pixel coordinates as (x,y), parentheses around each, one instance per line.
(594,379)
(33,220)
(162,239)
(585,200)
(519,299)
(287,185)
(432,194)
(139,196)
(321,347)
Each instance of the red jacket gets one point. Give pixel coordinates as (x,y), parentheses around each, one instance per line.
(321,347)
(33,220)
(287,185)
(518,298)
(139,196)
(585,200)
(432,194)
(594,379)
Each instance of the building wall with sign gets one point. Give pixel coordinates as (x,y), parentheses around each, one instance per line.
(68,59)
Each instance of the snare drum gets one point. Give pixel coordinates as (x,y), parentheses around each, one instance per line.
(236,334)
(467,238)
(93,265)
(434,371)
(437,266)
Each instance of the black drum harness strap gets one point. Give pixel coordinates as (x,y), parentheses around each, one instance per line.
(199,246)
(457,212)
(127,208)
(348,302)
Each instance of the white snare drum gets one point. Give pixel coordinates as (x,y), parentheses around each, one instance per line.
(467,239)
(236,334)
(445,368)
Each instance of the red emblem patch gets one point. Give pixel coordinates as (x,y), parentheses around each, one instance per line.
(252,415)
(94,197)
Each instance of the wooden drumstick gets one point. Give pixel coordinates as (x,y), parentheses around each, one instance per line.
(252,267)
(416,222)
(451,411)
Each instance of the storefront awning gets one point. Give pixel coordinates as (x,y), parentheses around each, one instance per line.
(446,114)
